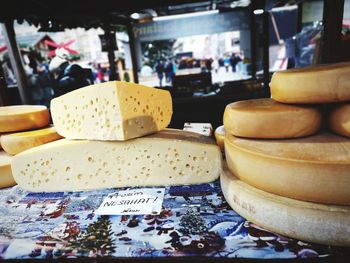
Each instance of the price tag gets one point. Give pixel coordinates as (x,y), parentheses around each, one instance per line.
(201,128)
(142,201)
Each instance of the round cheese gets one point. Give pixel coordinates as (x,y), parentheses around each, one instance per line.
(314,168)
(6,179)
(317,84)
(339,120)
(18,142)
(220,137)
(311,222)
(266,118)
(23,117)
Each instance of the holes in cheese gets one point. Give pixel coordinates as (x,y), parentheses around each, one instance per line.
(266,118)
(6,179)
(339,120)
(18,142)
(317,84)
(111,111)
(314,168)
(23,117)
(311,222)
(168,157)
(220,137)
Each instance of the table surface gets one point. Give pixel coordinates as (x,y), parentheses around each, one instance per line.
(195,222)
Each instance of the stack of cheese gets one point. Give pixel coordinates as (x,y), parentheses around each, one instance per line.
(115,136)
(22,127)
(285,172)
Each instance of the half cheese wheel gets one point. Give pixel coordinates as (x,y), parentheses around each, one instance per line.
(23,117)
(266,118)
(317,84)
(314,168)
(339,120)
(311,222)
(220,137)
(18,142)
(6,179)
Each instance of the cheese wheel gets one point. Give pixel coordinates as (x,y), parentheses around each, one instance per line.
(339,120)
(317,84)
(23,117)
(18,142)
(220,137)
(311,222)
(314,168)
(6,179)
(113,110)
(266,118)
(169,157)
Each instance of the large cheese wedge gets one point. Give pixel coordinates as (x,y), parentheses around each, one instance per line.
(23,117)
(317,84)
(15,143)
(324,224)
(266,118)
(6,179)
(314,168)
(169,157)
(339,120)
(111,111)
(220,137)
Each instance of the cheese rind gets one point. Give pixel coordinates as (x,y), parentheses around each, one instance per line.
(311,222)
(169,157)
(15,143)
(317,84)
(6,179)
(23,117)
(314,168)
(220,137)
(111,111)
(266,118)
(339,120)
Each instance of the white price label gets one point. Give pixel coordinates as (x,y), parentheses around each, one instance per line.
(142,201)
(201,128)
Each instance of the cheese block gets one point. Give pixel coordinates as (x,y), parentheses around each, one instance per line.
(6,179)
(317,84)
(339,120)
(111,111)
(314,168)
(23,117)
(266,118)
(15,143)
(307,221)
(169,157)
(220,137)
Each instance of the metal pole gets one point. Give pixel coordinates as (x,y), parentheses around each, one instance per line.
(133,52)
(16,62)
(253,42)
(266,54)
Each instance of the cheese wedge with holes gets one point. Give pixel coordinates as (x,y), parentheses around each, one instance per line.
(311,222)
(314,168)
(317,84)
(111,111)
(169,157)
(220,137)
(23,117)
(6,179)
(339,120)
(266,118)
(15,143)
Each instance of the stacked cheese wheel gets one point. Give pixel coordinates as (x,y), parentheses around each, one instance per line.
(286,170)
(22,127)
(115,136)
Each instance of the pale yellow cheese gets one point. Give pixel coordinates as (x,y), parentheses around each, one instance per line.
(314,168)
(23,117)
(266,118)
(311,222)
(317,84)
(15,143)
(339,120)
(6,179)
(220,137)
(111,111)
(169,157)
